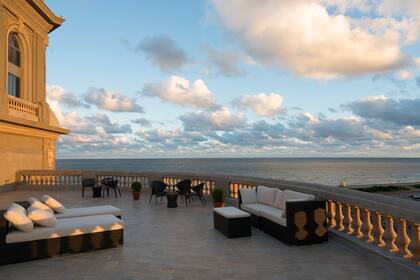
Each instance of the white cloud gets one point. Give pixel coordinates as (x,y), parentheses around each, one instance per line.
(215,120)
(226,63)
(178,90)
(111,101)
(311,40)
(263,104)
(59,94)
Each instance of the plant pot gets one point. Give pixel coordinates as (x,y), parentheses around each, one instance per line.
(218,204)
(136,195)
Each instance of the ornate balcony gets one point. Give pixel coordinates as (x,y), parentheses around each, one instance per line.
(23,109)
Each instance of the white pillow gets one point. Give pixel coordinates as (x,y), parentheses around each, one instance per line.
(17,217)
(42,217)
(40,205)
(288,194)
(249,196)
(278,200)
(53,204)
(32,199)
(266,195)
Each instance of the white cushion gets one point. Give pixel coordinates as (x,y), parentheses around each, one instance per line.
(288,194)
(266,195)
(68,227)
(32,199)
(278,200)
(248,196)
(42,217)
(90,211)
(53,204)
(16,215)
(255,208)
(231,212)
(275,215)
(40,205)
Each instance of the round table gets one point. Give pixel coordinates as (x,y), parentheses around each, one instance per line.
(172,198)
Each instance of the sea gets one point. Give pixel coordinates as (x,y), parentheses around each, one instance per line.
(327,171)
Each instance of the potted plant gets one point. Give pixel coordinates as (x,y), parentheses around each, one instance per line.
(218,196)
(135,190)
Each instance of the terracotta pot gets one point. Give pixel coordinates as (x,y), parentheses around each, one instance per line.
(136,195)
(218,204)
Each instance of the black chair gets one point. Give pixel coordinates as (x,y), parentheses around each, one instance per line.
(110,183)
(184,190)
(87,183)
(198,192)
(158,190)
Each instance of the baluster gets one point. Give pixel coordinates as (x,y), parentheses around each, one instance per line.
(403,239)
(379,230)
(359,224)
(332,213)
(349,218)
(391,234)
(340,217)
(416,237)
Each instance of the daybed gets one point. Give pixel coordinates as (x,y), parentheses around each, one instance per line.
(292,217)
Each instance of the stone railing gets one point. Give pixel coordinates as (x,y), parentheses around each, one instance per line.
(22,109)
(389,223)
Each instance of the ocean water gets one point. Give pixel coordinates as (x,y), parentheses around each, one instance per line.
(329,171)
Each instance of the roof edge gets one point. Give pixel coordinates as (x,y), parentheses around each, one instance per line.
(46,13)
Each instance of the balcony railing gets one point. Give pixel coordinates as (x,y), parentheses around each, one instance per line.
(22,109)
(386,222)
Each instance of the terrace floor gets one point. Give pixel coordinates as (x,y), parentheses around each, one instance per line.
(180,243)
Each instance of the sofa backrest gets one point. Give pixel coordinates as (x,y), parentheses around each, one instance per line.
(266,195)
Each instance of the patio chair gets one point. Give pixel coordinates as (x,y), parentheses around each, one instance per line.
(110,183)
(198,192)
(87,183)
(184,190)
(157,190)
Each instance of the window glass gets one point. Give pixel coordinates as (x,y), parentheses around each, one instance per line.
(13,85)
(13,50)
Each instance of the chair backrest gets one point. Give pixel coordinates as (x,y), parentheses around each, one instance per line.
(88,182)
(107,181)
(199,189)
(157,187)
(184,186)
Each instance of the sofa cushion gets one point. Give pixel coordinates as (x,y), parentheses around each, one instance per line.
(278,200)
(16,215)
(255,208)
(68,227)
(40,205)
(248,196)
(275,215)
(231,212)
(90,211)
(266,195)
(288,194)
(32,199)
(53,204)
(42,217)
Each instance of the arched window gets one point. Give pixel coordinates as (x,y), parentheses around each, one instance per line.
(14,69)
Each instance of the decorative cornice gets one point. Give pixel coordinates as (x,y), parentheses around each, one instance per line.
(46,13)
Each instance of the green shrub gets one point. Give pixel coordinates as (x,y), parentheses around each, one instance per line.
(218,195)
(136,186)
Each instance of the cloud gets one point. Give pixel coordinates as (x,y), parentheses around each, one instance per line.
(178,90)
(310,39)
(226,63)
(142,121)
(215,120)
(163,52)
(401,112)
(59,94)
(267,105)
(103,121)
(418,81)
(111,101)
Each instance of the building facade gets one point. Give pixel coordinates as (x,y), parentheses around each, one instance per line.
(28,127)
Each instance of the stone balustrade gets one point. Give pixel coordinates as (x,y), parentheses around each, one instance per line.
(387,222)
(22,109)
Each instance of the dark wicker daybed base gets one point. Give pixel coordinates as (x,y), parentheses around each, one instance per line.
(233,227)
(45,248)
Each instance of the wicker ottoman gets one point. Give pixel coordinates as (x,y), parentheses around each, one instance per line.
(232,222)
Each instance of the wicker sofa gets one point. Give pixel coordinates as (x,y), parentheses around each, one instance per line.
(292,217)
(70,235)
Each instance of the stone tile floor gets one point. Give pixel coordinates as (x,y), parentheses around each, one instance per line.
(180,243)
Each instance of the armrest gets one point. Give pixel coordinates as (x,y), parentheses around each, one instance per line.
(306,219)
(23,203)
(4,227)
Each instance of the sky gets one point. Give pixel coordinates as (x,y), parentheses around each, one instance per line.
(238,78)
